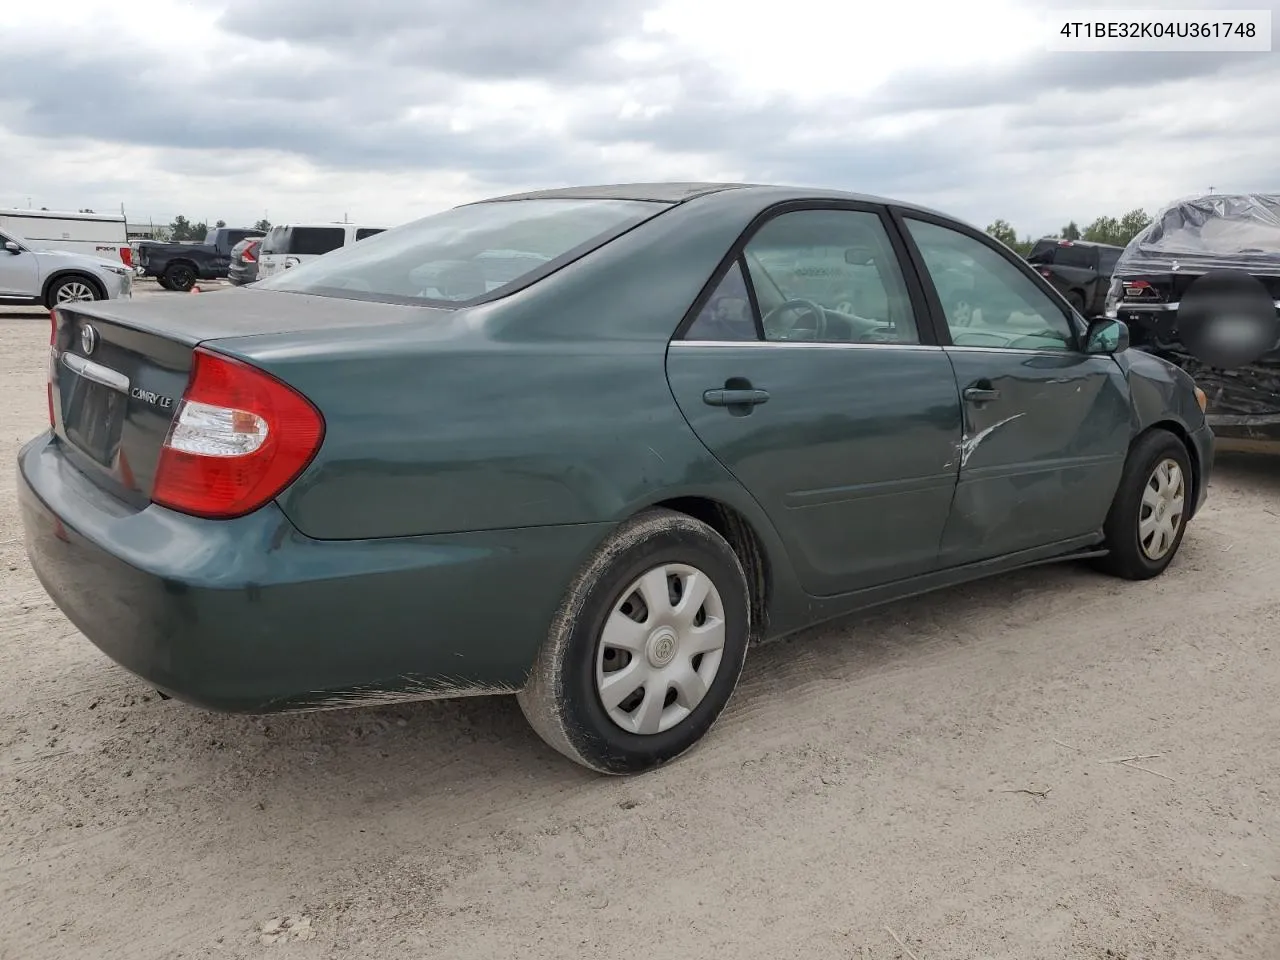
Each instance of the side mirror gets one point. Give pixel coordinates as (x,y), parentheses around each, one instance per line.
(1106,336)
(12,247)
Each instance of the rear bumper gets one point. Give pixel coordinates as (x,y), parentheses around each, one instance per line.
(248,615)
(240,275)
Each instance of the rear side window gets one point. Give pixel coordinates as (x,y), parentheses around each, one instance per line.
(1074,256)
(365,232)
(314,241)
(468,253)
(1107,260)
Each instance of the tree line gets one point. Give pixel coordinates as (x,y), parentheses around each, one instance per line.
(1117,232)
(183,229)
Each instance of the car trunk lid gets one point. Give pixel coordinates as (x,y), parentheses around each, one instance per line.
(119,370)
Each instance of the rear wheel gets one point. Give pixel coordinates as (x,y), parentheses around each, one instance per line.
(180,276)
(646,648)
(72,289)
(1147,520)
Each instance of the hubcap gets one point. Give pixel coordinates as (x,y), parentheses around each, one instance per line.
(660,649)
(1160,516)
(74,292)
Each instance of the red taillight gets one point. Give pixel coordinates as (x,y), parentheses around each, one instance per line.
(53,359)
(126,256)
(248,256)
(1137,284)
(238,438)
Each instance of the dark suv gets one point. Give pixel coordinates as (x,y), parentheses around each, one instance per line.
(1079,269)
(1217,232)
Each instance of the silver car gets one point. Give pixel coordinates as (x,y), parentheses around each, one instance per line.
(29,275)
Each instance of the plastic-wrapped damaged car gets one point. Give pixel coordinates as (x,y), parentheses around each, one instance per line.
(1190,240)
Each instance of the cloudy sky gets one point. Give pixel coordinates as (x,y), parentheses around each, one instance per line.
(391,109)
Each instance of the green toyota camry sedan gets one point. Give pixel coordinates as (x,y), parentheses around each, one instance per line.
(585,446)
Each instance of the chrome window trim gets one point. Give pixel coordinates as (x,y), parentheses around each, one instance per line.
(805,344)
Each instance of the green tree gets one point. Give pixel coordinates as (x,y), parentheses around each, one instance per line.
(264,225)
(198,230)
(220,224)
(1103,230)
(1070,231)
(1002,231)
(182,229)
(1133,223)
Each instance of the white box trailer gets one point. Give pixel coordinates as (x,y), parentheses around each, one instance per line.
(94,234)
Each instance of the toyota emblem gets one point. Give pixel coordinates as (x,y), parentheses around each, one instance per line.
(88,339)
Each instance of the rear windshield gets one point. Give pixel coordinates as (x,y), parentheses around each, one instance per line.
(468,253)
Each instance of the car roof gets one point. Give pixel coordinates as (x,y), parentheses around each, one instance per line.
(675,192)
(1063,242)
(309,226)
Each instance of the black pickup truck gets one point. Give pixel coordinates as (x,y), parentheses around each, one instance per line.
(1080,270)
(179,265)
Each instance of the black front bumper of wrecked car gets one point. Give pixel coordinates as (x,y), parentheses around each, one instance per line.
(1243,404)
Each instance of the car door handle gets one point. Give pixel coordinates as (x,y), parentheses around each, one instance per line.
(734,398)
(981,394)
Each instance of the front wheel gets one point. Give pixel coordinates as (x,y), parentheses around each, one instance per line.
(1148,517)
(646,648)
(70,290)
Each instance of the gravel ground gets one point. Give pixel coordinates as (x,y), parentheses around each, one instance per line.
(923,782)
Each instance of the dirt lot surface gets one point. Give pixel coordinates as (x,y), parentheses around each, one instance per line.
(926,781)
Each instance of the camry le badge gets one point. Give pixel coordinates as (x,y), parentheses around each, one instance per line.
(88,339)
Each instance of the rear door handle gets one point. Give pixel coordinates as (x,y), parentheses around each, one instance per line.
(981,394)
(734,398)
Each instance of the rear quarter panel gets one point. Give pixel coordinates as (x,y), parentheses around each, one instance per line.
(550,406)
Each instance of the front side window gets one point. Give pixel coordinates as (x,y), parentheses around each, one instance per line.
(829,276)
(365,232)
(987,300)
(466,253)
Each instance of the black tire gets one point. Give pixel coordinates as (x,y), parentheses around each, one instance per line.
(163,282)
(561,700)
(181,277)
(79,281)
(1127,557)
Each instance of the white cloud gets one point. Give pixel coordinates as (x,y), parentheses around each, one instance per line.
(315,109)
